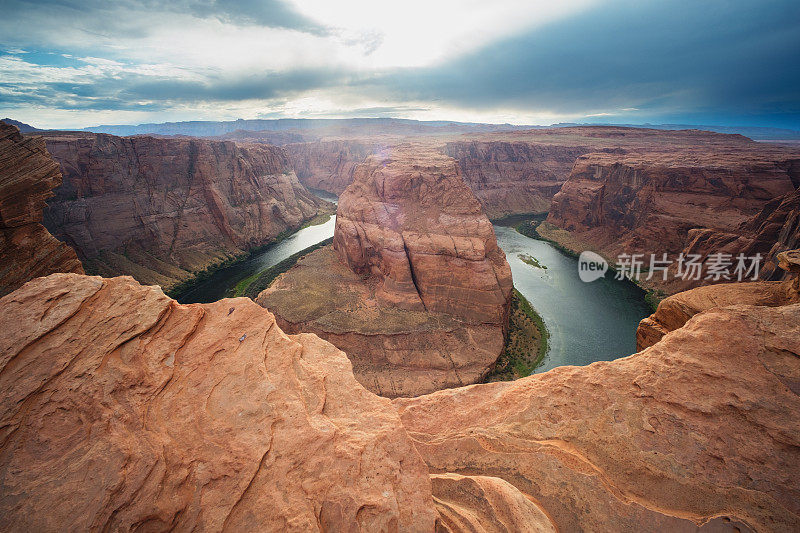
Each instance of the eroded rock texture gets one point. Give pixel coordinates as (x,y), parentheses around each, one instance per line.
(161,209)
(124,410)
(694,199)
(673,312)
(409,221)
(27,177)
(774,229)
(416,290)
(699,430)
(514,176)
(329,165)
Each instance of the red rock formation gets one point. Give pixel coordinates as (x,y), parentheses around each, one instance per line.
(329,165)
(123,410)
(673,312)
(700,431)
(649,202)
(27,176)
(160,209)
(514,177)
(410,221)
(419,294)
(772,230)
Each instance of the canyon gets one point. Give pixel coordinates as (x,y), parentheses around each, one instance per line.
(414,288)
(123,409)
(162,210)
(28,176)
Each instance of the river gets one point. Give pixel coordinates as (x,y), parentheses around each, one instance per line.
(587,321)
(215,287)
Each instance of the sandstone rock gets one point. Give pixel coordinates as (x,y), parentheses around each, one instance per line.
(329,165)
(409,221)
(27,176)
(653,200)
(673,312)
(124,410)
(395,352)
(700,431)
(419,295)
(482,503)
(514,177)
(161,209)
(774,229)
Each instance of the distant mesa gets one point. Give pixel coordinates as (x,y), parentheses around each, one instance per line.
(21,126)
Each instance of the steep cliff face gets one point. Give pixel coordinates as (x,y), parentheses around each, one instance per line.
(27,176)
(415,290)
(123,410)
(410,222)
(774,229)
(329,165)
(700,431)
(161,209)
(514,177)
(673,312)
(648,202)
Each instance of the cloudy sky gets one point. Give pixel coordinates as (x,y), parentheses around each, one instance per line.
(75,63)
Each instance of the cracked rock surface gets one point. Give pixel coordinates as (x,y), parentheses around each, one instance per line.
(415,290)
(124,410)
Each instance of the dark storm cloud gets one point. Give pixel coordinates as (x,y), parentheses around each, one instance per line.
(132,18)
(713,56)
(709,61)
(137,92)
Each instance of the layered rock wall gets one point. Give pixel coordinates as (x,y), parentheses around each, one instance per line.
(415,289)
(514,177)
(27,177)
(162,209)
(329,165)
(410,222)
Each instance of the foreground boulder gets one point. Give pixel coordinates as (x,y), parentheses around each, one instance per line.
(415,290)
(124,410)
(27,177)
(700,430)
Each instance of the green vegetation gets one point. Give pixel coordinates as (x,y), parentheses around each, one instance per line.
(532,261)
(653,297)
(179,290)
(317,220)
(514,220)
(252,285)
(526,343)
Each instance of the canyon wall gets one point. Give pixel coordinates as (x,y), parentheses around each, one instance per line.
(329,165)
(163,209)
(415,290)
(654,202)
(514,177)
(27,177)
(774,229)
(410,221)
